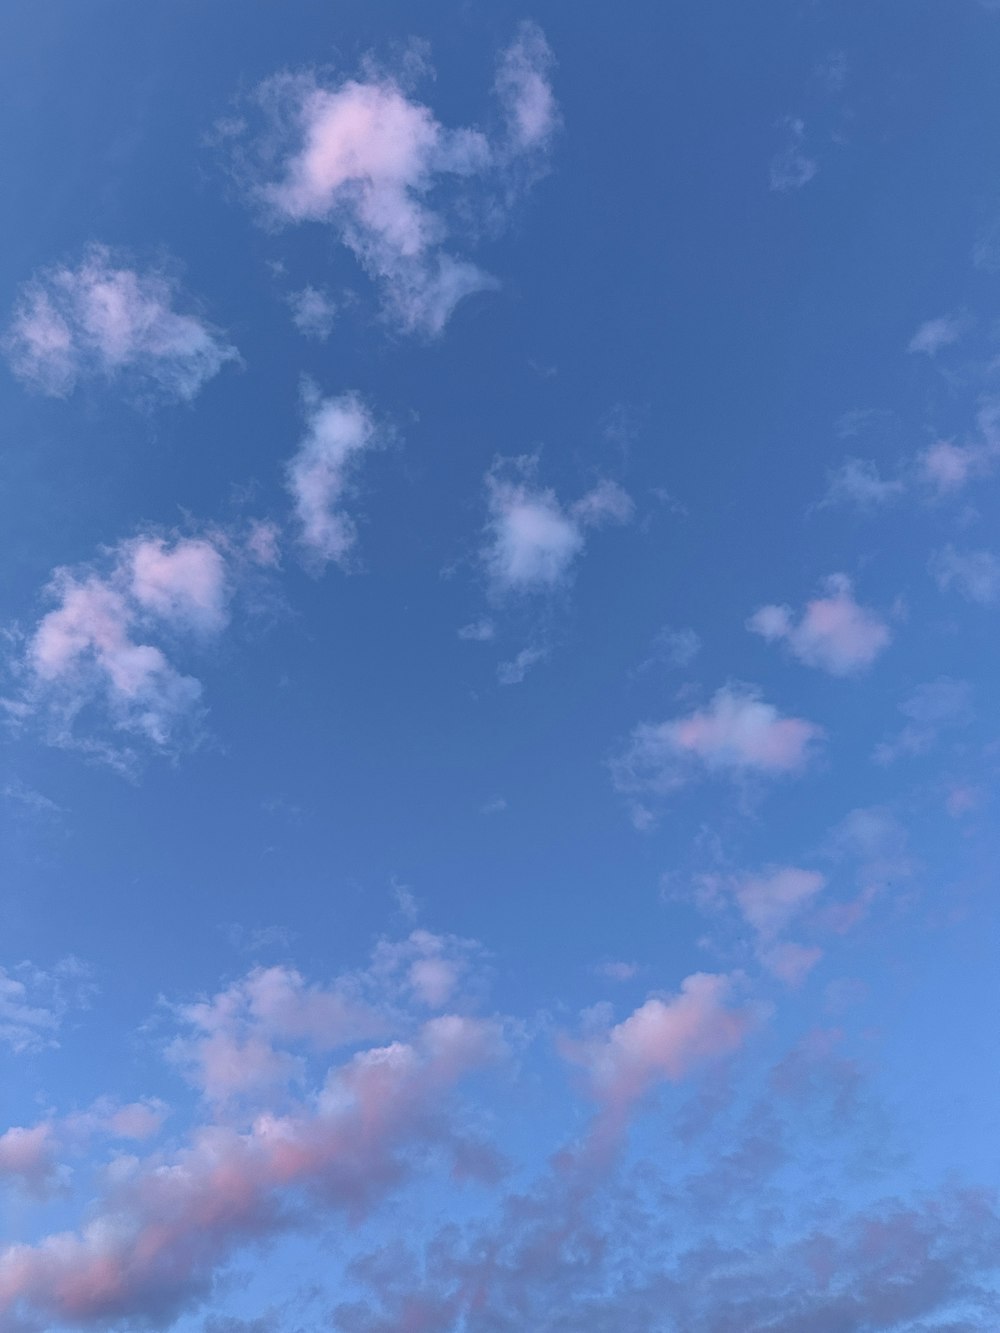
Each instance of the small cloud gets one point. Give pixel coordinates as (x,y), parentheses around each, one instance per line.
(514,671)
(857,482)
(479,631)
(313,312)
(339,431)
(935,334)
(616,970)
(533,541)
(974,574)
(834,632)
(792,168)
(103,320)
(736,735)
(495,806)
(929,709)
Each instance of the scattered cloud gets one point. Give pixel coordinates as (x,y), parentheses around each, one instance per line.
(974,574)
(514,671)
(97,653)
(339,431)
(833,633)
(103,320)
(478,631)
(935,334)
(533,541)
(857,482)
(792,167)
(394,183)
(34,1001)
(736,735)
(929,709)
(313,312)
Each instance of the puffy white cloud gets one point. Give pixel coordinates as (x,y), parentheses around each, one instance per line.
(105,320)
(378,167)
(338,431)
(737,734)
(834,632)
(532,540)
(96,651)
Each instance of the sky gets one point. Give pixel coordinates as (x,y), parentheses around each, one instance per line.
(500,598)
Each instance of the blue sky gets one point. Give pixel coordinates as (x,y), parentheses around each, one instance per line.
(500,617)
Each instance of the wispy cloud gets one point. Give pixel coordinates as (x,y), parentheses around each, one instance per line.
(339,430)
(792,167)
(105,320)
(974,574)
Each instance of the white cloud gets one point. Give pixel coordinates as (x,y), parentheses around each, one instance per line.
(338,431)
(834,632)
(532,540)
(104,320)
(378,167)
(478,631)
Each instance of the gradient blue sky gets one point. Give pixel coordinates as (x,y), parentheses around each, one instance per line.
(500,625)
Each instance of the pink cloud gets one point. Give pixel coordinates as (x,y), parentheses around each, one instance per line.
(367,160)
(168,1223)
(94,644)
(232,1048)
(27,1157)
(770,902)
(737,734)
(665,1039)
(186,584)
(338,431)
(833,632)
(105,320)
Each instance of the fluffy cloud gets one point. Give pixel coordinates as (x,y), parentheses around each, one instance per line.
(95,648)
(365,158)
(833,632)
(532,540)
(664,1039)
(168,1223)
(104,320)
(737,734)
(338,431)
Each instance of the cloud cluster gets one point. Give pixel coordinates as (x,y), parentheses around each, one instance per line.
(104,320)
(96,648)
(34,1001)
(167,1223)
(833,633)
(379,168)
